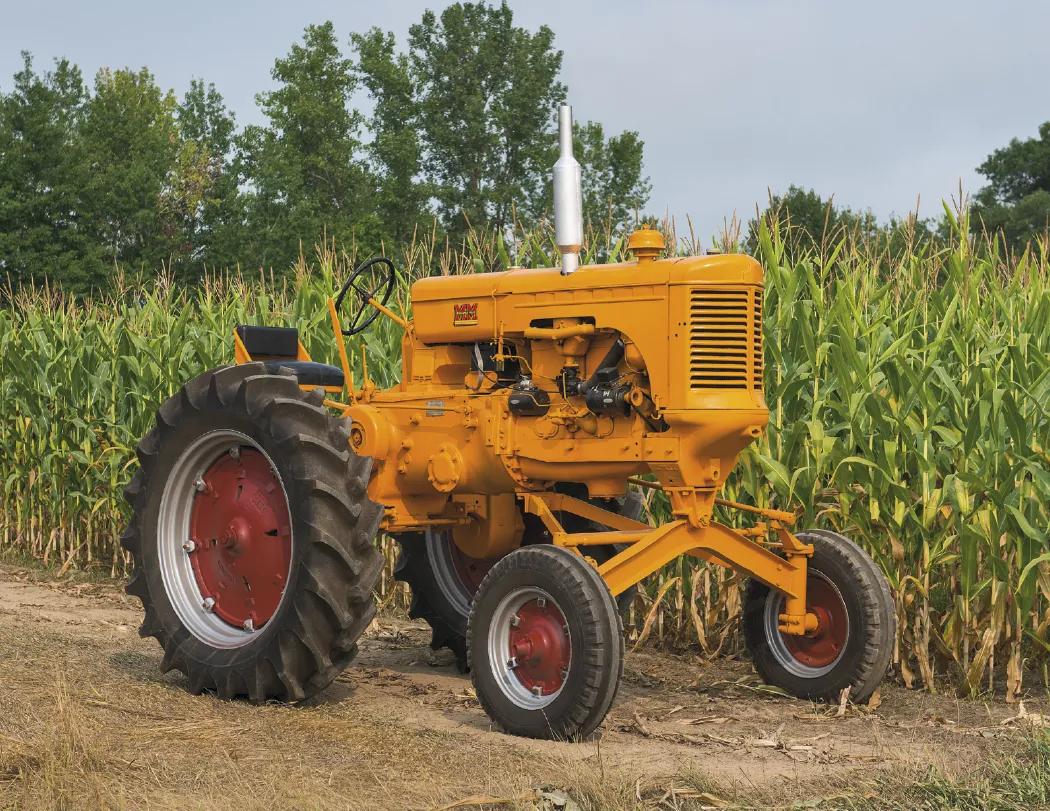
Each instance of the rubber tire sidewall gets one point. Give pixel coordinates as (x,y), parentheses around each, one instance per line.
(189,645)
(448,624)
(594,674)
(328,599)
(872,619)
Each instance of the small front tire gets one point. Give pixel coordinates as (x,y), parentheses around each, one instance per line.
(851,648)
(545,644)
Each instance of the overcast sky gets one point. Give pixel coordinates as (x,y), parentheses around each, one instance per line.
(876,103)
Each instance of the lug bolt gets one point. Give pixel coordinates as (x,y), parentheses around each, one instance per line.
(248,625)
(235,452)
(208,604)
(537,691)
(541,602)
(512,662)
(189,546)
(200,486)
(515,621)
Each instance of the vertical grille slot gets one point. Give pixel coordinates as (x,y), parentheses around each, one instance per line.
(757,367)
(725,338)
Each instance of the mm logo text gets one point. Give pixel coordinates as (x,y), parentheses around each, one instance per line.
(465,315)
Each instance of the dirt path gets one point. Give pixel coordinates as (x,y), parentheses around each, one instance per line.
(87,720)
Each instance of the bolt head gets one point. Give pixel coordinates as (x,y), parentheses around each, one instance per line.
(189,546)
(537,691)
(512,662)
(541,602)
(208,604)
(515,621)
(235,452)
(248,625)
(200,486)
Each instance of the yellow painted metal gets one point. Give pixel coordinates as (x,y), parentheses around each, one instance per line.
(646,244)
(649,549)
(448,451)
(401,322)
(775,515)
(340,343)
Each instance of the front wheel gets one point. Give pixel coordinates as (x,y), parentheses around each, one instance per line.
(545,644)
(857,625)
(444,579)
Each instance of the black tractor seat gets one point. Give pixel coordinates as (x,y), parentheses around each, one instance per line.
(277,348)
(307,372)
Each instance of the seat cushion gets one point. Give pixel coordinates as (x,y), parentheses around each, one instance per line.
(274,342)
(307,372)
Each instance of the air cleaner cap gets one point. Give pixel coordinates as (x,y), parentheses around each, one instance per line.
(646,244)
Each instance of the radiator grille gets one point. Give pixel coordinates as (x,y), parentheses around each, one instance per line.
(725,338)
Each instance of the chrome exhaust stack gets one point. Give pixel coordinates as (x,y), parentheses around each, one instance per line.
(568,197)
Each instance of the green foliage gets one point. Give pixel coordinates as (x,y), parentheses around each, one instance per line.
(307,181)
(907,397)
(127,179)
(129,140)
(1005,783)
(396,149)
(1016,201)
(811,222)
(43,177)
(119,178)
(614,189)
(487,93)
(213,213)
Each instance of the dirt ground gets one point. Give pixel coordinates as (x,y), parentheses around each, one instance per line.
(87,720)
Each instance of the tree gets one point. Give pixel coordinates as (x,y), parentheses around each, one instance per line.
(486,94)
(42,177)
(396,149)
(130,144)
(614,189)
(811,222)
(1016,200)
(306,177)
(206,194)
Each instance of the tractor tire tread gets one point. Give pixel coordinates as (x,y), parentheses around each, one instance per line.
(312,637)
(584,593)
(861,669)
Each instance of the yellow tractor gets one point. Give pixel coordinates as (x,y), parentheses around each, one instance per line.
(531,406)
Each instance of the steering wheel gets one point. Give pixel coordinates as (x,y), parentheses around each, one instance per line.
(372,280)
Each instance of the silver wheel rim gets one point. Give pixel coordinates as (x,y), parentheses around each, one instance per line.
(774,608)
(499,649)
(173,526)
(448,580)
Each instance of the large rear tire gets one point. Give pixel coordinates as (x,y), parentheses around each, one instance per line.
(851,647)
(444,580)
(252,536)
(546,644)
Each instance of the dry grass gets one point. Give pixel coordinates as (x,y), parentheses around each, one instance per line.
(87,727)
(87,721)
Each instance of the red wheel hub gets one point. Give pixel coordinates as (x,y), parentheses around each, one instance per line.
(471,571)
(242,539)
(823,646)
(539,645)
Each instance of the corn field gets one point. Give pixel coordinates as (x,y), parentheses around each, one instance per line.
(908,391)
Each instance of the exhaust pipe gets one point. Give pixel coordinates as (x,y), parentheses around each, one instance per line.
(568,197)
